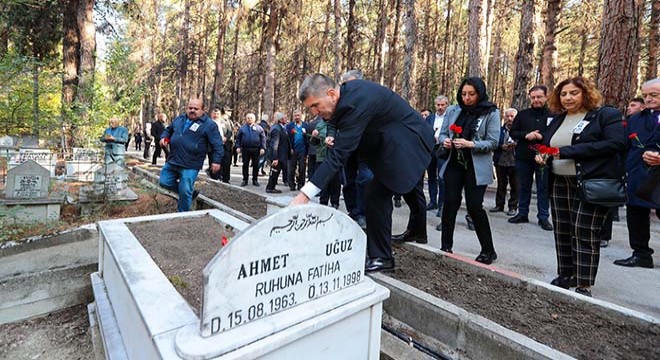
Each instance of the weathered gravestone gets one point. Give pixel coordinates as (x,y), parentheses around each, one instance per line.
(28,180)
(290,286)
(83,164)
(27,189)
(110,181)
(43,157)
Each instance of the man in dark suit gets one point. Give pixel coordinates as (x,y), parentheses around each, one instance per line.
(278,153)
(157,128)
(390,136)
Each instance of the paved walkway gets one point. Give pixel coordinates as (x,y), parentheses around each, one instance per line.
(529,250)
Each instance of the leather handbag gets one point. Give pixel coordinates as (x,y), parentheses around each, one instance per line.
(442,153)
(649,190)
(603,192)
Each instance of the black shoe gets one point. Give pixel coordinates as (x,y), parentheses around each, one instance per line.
(438,227)
(292,188)
(635,261)
(195,195)
(244,183)
(518,219)
(431,206)
(511,212)
(583,291)
(470,223)
(439,212)
(255,183)
(565,282)
(299,187)
(545,224)
(409,236)
(486,258)
(397,203)
(273,191)
(496,209)
(447,250)
(604,243)
(378,264)
(226,182)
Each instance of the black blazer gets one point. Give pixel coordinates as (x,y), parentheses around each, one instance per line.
(388,134)
(279,145)
(597,151)
(525,122)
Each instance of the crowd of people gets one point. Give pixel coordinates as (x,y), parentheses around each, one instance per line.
(365,140)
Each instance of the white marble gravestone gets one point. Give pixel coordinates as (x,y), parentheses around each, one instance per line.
(290,286)
(83,163)
(43,157)
(28,180)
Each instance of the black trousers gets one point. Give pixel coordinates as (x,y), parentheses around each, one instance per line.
(157,150)
(457,178)
(250,155)
(639,230)
(296,161)
(331,191)
(506,175)
(275,173)
(378,211)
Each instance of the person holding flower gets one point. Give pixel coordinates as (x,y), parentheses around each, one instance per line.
(471,132)
(643,153)
(586,141)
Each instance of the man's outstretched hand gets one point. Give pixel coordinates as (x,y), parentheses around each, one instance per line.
(215,168)
(300,199)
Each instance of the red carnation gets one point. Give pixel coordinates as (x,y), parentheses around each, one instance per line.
(456,129)
(632,136)
(225,241)
(552,151)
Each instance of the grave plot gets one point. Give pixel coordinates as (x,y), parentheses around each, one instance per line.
(481,313)
(290,285)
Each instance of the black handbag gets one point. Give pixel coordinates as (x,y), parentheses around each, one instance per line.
(603,192)
(442,153)
(649,190)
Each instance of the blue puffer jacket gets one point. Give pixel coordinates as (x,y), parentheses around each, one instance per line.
(188,148)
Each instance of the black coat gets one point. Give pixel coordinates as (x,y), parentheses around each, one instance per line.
(388,134)
(157,129)
(279,146)
(598,150)
(525,122)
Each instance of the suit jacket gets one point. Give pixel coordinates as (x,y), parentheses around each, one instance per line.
(117,146)
(485,141)
(389,135)
(525,122)
(157,129)
(645,125)
(279,146)
(597,150)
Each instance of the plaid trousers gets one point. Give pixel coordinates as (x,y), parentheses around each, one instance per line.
(577,227)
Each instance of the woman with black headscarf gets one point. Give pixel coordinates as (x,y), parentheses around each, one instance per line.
(470,132)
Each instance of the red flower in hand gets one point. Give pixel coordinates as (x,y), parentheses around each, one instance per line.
(552,151)
(456,129)
(293,131)
(633,136)
(225,241)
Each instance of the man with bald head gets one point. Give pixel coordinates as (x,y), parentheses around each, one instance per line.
(189,136)
(115,137)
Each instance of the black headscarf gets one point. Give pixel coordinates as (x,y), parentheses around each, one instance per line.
(469,114)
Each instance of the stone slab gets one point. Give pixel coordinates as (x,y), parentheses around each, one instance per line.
(28,211)
(29,180)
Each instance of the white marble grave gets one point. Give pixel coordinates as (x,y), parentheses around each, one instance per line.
(28,180)
(83,163)
(110,181)
(43,157)
(290,286)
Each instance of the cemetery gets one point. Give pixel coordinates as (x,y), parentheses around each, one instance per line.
(249,285)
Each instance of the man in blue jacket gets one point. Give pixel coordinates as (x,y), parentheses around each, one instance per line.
(115,137)
(189,136)
(251,142)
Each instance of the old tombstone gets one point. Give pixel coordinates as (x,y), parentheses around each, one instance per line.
(83,164)
(6,141)
(30,141)
(43,157)
(290,286)
(28,180)
(110,183)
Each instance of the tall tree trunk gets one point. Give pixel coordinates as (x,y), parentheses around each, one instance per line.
(381,42)
(475,34)
(487,30)
(619,42)
(269,80)
(234,64)
(71,64)
(584,41)
(36,69)
(654,41)
(219,56)
(87,30)
(391,68)
(182,87)
(549,59)
(524,57)
(351,36)
(445,53)
(409,56)
(337,49)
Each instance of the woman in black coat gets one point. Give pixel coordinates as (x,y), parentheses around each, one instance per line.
(586,141)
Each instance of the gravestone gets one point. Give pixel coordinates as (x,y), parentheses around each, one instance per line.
(83,164)
(30,141)
(28,180)
(43,157)
(6,141)
(111,182)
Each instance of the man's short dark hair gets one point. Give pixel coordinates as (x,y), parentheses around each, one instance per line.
(538,87)
(637,100)
(315,85)
(425,109)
